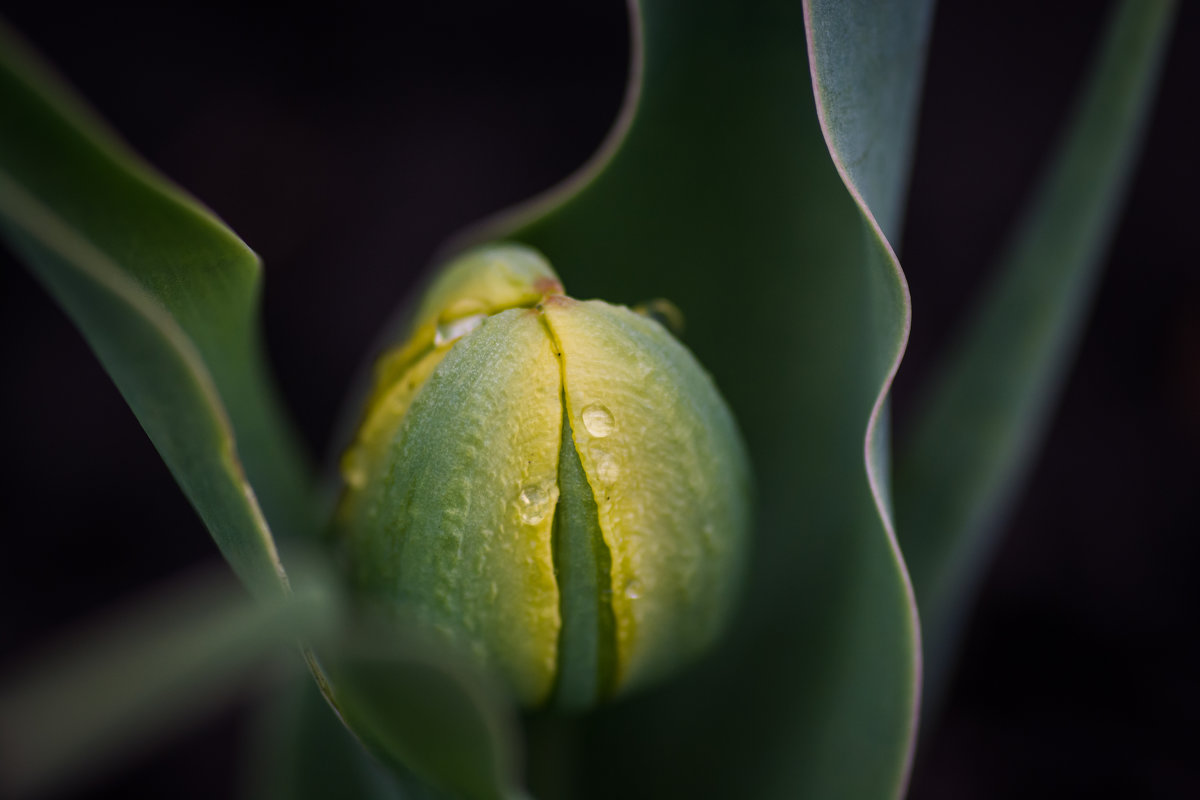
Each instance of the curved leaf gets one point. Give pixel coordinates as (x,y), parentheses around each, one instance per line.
(981,423)
(867,58)
(718,192)
(167,297)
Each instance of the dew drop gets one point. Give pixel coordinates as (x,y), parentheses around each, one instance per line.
(607,468)
(457,328)
(598,420)
(633,589)
(534,504)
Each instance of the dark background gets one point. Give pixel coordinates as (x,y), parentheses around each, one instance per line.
(345,147)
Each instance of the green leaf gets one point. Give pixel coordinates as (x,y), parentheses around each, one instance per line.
(424,711)
(717,190)
(867,58)
(985,415)
(304,752)
(167,297)
(120,684)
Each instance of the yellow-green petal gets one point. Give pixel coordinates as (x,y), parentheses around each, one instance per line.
(486,280)
(454,524)
(670,476)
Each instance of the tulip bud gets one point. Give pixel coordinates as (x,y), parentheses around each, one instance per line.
(554,484)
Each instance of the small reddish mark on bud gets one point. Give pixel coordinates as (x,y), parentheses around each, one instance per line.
(548,286)
(558,300)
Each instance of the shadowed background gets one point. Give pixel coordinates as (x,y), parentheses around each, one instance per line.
(346,148)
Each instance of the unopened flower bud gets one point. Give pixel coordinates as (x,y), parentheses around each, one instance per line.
(554,484)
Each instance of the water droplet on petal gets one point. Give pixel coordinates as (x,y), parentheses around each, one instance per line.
(457,328)
(598,420)
(607,468)
(534,504)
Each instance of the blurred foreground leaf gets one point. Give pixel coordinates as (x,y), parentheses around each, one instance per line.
(304,752)
(119,684)
(426,712)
